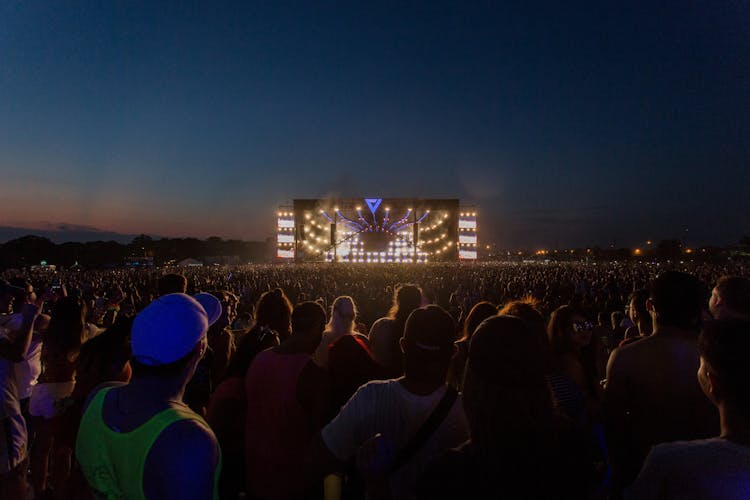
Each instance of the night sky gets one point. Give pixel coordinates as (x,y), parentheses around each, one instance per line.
(565,123)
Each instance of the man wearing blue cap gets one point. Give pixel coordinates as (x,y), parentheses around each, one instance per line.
(140,440)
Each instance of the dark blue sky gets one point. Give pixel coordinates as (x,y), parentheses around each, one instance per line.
(565,123)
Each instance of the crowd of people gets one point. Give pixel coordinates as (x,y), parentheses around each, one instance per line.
(496,380)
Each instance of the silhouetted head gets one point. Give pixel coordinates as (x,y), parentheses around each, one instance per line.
(677,300)
(478,313)
(172,283)
(343,314)
(67,322)
(638,311)
(527,310)
(730,298)
(568,330)
(724,373)
(308,323)
(406,298)
(505,387)
(274,310)
(428,344)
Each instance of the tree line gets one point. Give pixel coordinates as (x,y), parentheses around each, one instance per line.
(33,250)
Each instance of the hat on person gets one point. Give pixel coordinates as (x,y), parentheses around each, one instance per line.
(430,329)
(168,329)
(6,287)
(211,304)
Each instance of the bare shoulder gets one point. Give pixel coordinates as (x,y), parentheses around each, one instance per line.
(380,326)
(182,461)
(187,434)
(95,390)
(635,348)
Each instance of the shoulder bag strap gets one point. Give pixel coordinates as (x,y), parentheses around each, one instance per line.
(425,431)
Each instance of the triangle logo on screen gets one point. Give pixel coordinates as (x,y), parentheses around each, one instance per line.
(373,203)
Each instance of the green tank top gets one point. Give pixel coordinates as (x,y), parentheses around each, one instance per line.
(114,462)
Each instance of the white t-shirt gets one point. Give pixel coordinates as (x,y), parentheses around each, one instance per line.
(708,468)
(28,370)
(386,407)
(9,402)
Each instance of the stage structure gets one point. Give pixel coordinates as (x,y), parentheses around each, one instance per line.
(396,230)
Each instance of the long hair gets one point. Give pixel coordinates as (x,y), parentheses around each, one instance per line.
(559,332)
(257,339)
(480,312)
(337,323)
(104,357)
(527,310)
(406,298)
(65,332)
(274,311)
(506,394)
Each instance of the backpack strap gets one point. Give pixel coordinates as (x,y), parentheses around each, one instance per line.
(425,431)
